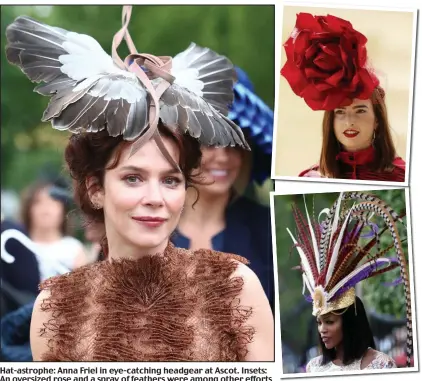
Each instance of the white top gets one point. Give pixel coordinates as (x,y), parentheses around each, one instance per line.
(380,361)
(57,257)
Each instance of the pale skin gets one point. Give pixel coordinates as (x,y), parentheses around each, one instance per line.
(153,188)
(354,125)
(330,330)
(219,168)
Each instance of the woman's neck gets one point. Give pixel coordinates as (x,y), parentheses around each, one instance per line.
(354,150)
(208,211)
(117,249)
(45,236)
(339,353)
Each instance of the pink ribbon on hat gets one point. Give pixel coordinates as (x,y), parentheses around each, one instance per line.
(158,66)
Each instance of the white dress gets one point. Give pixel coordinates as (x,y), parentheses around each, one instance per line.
(380,361)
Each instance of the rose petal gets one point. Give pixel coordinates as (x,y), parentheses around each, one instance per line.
(347,59)
(354,83)
(331,49)
(362,55)
(301,42)
(307,21)
(324,37)
(368,83)
(315,104)
(300,46)
(312,73)
(311,51)
(336,99)
(322,86)
(289,49)
(337,24)
(336,78)
(311,92)
(326,62)
(295,77)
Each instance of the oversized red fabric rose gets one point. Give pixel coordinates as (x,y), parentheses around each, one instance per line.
(326,61)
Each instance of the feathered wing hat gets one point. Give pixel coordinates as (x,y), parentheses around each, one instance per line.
(332,261)
(92,91)
(256,119)
(327,62)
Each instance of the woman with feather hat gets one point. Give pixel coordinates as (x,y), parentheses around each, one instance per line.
(333,262)
(137,126)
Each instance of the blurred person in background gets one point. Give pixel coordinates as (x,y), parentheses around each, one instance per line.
(19,270)
(19,275)
(214,304)
(10,205)
(44,216)
(218,214)
(15,338)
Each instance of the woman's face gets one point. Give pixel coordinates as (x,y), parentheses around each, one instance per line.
(46,213)
(354,125)
(142,199)
(330,330)
(219,166)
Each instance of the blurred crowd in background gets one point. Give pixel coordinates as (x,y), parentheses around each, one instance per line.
(40,238)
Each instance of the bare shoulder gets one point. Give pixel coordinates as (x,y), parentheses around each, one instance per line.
(250,279)
(374,359)
(40,317)
(252,296)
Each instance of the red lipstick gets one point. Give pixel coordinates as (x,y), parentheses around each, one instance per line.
(151,222)
(350,133)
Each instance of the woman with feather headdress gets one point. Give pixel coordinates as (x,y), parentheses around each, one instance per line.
(137,126)
(333,262)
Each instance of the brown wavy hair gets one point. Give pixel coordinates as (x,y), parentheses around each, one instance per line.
(385,151)
(87,156)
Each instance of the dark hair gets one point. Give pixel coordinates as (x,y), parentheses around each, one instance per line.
(87,155)
(357,335)
(27,200)
(385,151)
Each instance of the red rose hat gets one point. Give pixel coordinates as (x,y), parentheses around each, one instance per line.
(326,62)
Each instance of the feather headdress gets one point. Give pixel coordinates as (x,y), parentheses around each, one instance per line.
(332,260)
(92,91)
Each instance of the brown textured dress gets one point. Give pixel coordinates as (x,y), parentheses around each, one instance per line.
(179,306)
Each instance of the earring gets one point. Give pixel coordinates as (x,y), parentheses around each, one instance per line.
(95,205)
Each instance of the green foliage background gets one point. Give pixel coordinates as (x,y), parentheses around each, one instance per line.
(244,33)
(377,297)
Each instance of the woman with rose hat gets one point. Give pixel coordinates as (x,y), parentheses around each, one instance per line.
(327,66)
(334,259)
